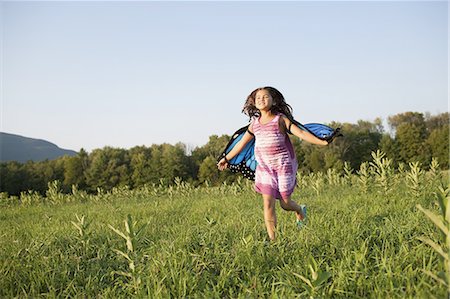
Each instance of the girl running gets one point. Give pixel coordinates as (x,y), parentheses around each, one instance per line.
(275,175)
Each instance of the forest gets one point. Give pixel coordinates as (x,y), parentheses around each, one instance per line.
(411,137)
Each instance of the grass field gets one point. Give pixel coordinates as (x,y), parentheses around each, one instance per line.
(208,242)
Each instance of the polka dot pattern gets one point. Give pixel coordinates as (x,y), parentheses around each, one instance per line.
(243,169)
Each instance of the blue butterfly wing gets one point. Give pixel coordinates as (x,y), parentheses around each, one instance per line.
(251,163)
(244,162)
(321,131)
(231,145)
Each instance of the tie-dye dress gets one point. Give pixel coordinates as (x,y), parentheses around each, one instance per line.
(277,165)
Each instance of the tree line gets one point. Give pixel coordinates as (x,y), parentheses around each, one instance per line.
(412,137)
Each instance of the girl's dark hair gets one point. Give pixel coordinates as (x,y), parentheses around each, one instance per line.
(279,105)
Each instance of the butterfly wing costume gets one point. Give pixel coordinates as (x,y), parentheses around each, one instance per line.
(245,162)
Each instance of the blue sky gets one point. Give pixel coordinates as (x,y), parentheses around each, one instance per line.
(94,74)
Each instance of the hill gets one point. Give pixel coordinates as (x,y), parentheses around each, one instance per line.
(22,149)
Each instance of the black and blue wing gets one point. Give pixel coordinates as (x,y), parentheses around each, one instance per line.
(244,162)
(321,131)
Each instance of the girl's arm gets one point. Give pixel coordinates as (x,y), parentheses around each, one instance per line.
(223,163)
(304,135)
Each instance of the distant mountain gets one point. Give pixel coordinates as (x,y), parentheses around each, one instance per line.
(22,149)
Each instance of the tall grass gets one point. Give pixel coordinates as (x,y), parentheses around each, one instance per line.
(442,222)
(366,238)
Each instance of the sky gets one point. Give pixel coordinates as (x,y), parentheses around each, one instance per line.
(85,74)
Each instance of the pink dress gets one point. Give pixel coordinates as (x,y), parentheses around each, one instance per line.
(277,165)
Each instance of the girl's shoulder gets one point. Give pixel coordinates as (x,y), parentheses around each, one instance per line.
(283,118)
(283,123)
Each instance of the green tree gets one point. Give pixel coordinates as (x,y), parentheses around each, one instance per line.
(74,170)
(156,163)
(208,171)
(213,148)
(438,141)
(416,118)
(333,160)
(174,162)
(314,159)
(141,168)
(43,172)
(108,168)
(390,147)
(412,145)
(411,133)
(13,178)
(438,121)
(359,141)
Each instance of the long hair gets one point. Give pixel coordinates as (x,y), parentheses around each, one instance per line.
(279,105)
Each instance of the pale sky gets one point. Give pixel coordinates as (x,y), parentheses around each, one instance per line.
(113,73)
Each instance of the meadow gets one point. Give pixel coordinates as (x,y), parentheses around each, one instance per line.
(368,236)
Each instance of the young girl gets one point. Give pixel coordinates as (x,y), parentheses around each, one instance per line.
(275,175)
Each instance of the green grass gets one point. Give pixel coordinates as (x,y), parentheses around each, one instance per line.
(211,242)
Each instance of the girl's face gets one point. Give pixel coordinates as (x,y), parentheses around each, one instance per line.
(263,100)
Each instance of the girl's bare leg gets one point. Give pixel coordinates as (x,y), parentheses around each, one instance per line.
(270,217)
(289,205)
